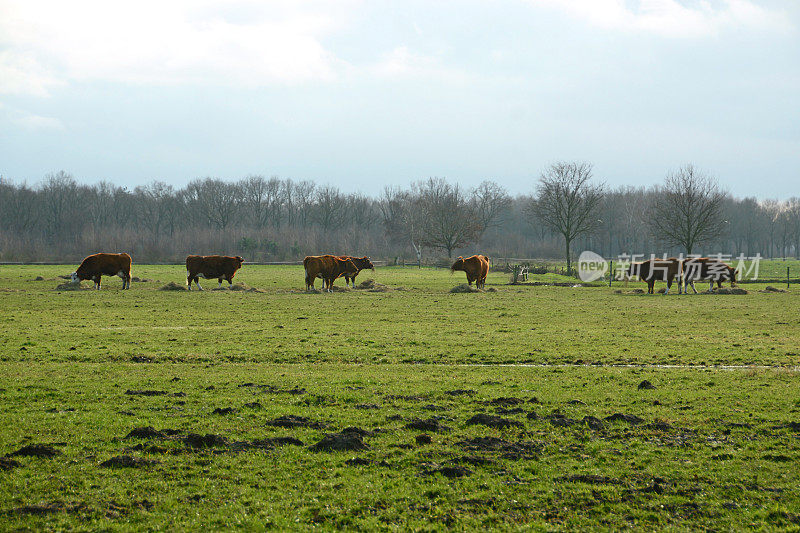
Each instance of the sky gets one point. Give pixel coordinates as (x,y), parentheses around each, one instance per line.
(365,94)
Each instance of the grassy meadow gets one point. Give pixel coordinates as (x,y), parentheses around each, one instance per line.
(519,407)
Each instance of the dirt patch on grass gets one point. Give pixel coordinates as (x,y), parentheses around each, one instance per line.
(223,411)
(464,288)
(292,421)
(772,290)
(131,392)
(209,440)
(493,421)
(35,450)
(70,286)
(371,285)
(620,417)
(345,441)
(172,286)
(725,291)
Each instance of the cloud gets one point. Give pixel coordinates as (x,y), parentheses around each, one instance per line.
(47,43)
(401,62)
(29,121)
(674,18)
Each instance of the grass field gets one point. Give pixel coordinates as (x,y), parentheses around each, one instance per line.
(466,411)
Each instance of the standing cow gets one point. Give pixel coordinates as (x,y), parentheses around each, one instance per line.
(327,267)
(476,268)
(217,267)
(707,269)
(654,270)
(96,266)
(361,263)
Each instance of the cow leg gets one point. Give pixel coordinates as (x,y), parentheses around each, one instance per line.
(669,286)
(711,285)
(189,282)
(220,283)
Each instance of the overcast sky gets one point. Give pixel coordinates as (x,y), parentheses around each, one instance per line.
(374,93)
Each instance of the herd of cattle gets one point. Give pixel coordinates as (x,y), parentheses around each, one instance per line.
(331,267)
(685,271)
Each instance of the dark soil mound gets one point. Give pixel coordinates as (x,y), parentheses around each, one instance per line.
(292,421)
(172,286)
(130,392)
(646,385)
(460,392)
(464,288)
(630,419)
(492,421)
(340,442)
(592,422)
(223,411)
(35,450)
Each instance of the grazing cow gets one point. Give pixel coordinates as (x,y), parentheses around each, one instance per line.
(710,269)
(217,267)
(96,266)
(654,270)
(361,263)
(327,267)
(476,268)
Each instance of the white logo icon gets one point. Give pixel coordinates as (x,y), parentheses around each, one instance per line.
(591,266)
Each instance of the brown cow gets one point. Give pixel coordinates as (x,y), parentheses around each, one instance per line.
(710,269)
(327,267)
(476,268)
(361,263)
(96,266)
(654,270)
(217,267)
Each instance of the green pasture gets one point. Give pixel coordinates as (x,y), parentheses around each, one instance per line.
(408,364)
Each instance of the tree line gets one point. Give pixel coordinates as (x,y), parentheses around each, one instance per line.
(273,219)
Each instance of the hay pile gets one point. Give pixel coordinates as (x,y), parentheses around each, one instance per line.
(726,290)
(771,289)
(172,286)
(70,286)
(371,285)
(243,287)
(464,288)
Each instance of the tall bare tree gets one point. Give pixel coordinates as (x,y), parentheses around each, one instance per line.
(686,210)
(491,202)
(567,202)
(447,219)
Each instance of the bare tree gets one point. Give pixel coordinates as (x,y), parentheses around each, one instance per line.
(567,202)
(686,210)
(329,207)
(447,220)
(491,202)
(215,200)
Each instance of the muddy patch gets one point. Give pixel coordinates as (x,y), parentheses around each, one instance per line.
(209,440)
(222,411)
(646,385)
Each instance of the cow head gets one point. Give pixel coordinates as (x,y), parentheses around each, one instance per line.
(239,261)
(367,263)
(458,265)
(74,277)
